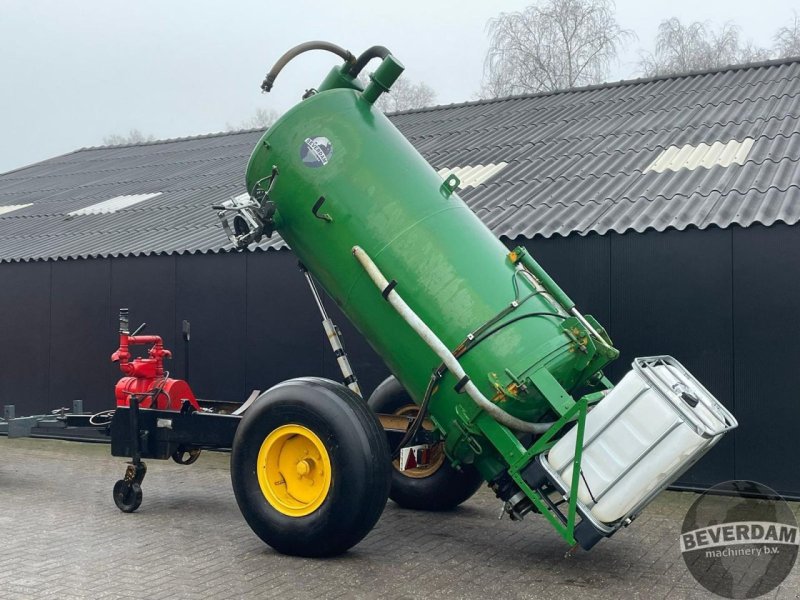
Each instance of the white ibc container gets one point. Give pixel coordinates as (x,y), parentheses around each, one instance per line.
(648,430)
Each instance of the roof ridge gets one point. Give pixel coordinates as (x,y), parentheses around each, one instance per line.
(186,138)
(608,84)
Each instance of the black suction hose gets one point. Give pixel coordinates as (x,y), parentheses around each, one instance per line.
(269,80)
(366,56)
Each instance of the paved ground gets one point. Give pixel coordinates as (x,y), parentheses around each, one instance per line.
(64,538)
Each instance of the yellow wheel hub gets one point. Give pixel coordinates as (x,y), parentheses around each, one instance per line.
(294,470)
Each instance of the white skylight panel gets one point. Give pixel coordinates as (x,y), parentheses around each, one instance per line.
(473,176)
(12,207)
(114,204)
(723,154)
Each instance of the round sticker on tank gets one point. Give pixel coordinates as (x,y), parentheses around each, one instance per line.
(316,151)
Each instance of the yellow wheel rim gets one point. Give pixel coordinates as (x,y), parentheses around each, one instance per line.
(294,470)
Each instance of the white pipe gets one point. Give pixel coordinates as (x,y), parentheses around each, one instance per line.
(438,347)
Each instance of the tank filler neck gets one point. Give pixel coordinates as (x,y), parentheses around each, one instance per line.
(383,78)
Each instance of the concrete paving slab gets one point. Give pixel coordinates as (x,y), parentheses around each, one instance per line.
(62,537)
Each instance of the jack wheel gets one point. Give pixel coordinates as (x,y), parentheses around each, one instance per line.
(437,486)
(310,468)
(127,496)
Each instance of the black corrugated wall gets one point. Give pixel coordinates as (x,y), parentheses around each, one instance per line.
(723,302)
(254,324)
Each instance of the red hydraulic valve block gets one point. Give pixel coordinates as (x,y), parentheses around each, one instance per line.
(146,377)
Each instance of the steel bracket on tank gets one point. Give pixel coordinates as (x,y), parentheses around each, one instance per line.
(450,185)
(560,401)
(507,392)
(466,432)
(468,437)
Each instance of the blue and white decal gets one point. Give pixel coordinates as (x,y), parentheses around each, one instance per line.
(316,152)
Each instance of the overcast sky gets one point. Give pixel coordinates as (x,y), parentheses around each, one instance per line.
(73,72)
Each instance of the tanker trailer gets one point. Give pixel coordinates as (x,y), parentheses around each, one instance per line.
(499,375)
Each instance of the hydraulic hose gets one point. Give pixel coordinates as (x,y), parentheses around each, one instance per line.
(439,348)
(366,56)
(269,80)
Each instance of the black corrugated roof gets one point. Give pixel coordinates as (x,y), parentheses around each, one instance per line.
(576,163)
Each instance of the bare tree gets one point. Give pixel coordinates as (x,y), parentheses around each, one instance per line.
(552,45)
(696,46)
(134,136)
(261,119)
(787,39)
(406,95)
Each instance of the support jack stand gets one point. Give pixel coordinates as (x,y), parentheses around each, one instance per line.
(128,490)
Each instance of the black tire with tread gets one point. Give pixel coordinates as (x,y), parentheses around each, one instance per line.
(444,489)
(127,496)
(360,466)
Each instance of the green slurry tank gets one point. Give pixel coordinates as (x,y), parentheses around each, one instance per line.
(497,377)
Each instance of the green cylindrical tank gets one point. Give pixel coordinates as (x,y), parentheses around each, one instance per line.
(347,177)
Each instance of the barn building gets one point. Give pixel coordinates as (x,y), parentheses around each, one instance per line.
(666,207)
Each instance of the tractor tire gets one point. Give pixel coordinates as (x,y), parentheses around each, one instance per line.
(436,487)
(310,468)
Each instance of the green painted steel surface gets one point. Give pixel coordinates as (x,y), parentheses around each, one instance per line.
(381,194)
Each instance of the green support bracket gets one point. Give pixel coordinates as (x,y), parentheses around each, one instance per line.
(544,443)
(576,471)
(565,528)
(557,396)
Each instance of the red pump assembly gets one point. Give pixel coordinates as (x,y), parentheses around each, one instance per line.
(146,377)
